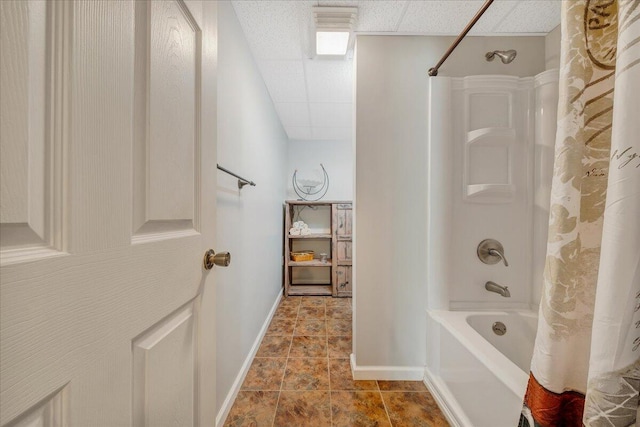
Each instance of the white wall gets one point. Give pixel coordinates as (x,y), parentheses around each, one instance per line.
(552,48)
(391,182)
(252,143)
(337,158)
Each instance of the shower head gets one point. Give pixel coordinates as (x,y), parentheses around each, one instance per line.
(505,55)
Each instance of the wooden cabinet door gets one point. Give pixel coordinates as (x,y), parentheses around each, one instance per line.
(343,281)
(108,150)
(344,251)
(343,221)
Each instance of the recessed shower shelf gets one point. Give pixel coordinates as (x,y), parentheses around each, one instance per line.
(499,191)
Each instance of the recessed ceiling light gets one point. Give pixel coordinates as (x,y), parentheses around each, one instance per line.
(334,30)
(332,42)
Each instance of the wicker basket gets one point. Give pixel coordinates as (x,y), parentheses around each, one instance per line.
(302,256)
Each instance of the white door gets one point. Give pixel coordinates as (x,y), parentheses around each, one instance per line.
(108,154)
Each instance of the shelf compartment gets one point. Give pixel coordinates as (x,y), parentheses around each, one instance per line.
(325,290)
(311,236)
(314,263)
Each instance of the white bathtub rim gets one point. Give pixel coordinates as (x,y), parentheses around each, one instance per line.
(505,370)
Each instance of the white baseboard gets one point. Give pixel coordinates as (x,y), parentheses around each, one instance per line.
(386,373)
(235,388)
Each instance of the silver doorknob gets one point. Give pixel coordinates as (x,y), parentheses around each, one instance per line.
(221,259)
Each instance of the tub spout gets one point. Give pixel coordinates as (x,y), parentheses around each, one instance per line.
(499,289)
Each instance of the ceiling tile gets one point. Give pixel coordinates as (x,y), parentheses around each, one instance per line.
(293,114)
(539,16)
(339,3)
(331,133)
(380,16)
(275,29)
(450,17)
(285,80)
(329,80)
(298,132)
(331,114)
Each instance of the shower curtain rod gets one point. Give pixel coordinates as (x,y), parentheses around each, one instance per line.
(434,71)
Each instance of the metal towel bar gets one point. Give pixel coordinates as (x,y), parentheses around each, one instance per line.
(241,181)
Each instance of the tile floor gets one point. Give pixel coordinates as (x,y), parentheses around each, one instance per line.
(301,377)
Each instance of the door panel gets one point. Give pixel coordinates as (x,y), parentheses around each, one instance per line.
(168,42)
(164,368)
(26,165)
(344,282)
(49,413)
(344,251)
(78,329)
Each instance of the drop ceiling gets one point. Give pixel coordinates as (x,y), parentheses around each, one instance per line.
(313,97)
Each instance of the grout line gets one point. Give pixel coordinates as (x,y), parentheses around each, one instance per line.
(328,369)
(385,405)
(286,363)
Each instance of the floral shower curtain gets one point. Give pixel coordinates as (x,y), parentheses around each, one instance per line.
(586,363)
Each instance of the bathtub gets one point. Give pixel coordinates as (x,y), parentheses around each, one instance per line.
(479,378)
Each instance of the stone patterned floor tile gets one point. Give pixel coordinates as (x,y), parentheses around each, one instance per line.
(289,311)
(306,374)
(253,409)
(274,346)
(413,409)
(308,346)
(290,301)
(358,408)
(303,409)
(342,380)
(339,346)
(311,313)
(281,326)
(265,374)
(315,301)
(402,386)
(339,327)
(339,312)
(338,302)
(310,327)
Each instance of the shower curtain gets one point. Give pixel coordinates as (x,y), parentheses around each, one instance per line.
(586,361)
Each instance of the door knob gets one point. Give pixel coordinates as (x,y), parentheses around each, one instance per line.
(221,259)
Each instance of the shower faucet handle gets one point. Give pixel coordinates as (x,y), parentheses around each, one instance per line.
(496,252)
(490,251)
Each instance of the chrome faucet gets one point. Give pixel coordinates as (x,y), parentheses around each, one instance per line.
(498,289)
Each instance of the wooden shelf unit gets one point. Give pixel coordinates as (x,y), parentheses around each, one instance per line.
(339,220)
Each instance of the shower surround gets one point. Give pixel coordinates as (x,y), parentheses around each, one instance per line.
(491,144)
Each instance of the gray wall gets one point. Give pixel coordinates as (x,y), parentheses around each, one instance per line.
(337,158)
(252,143)
(390,188)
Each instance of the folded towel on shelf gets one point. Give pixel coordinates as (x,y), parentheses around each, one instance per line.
(299,225)
(305,232)
(294,231)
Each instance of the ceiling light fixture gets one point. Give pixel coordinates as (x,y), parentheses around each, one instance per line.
(334,30)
